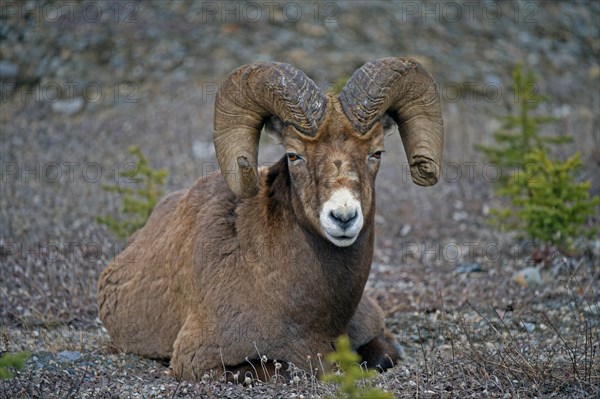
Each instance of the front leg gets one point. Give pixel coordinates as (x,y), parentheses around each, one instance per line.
(370,339)
(195,351)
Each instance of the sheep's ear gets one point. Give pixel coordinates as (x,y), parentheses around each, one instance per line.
(389,125)
(274,127)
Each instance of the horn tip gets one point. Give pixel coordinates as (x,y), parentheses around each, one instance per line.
(425,172)
(248,178)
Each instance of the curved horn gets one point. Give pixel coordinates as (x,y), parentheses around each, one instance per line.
(402,88)
(250,95)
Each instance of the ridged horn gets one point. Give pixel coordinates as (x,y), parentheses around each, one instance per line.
(407,92)
(251,94)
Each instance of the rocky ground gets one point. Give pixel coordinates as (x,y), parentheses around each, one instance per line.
(82,81)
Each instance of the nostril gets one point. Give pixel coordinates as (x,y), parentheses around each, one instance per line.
(344,217)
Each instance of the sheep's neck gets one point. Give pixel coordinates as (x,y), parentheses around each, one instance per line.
(325,280)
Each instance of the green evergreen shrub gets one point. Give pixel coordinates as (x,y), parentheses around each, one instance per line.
(351,375)
(548,204)
(137,203)
(9,361)
(519,132)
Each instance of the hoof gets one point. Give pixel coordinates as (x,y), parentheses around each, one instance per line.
(381,353)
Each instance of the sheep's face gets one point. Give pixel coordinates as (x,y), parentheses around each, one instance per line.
(333,175)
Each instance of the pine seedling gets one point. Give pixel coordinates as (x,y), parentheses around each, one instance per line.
(549,204)
(138,202)
(10,362)
(519,133)
(352,380)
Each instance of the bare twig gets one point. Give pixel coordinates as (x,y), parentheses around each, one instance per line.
(423,349)
(73,394)
(176,389)
(565,343)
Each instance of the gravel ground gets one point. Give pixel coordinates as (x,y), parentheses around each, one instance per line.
(77,88)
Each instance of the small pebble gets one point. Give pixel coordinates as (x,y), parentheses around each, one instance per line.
(8,70)
(469,268)
(69,356)
(68,107)
(529,327)
(530,276)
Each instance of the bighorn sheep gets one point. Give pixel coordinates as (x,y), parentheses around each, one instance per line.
(273,261)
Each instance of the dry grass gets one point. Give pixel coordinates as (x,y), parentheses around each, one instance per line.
(491,352)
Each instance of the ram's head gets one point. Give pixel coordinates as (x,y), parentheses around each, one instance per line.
(333,143)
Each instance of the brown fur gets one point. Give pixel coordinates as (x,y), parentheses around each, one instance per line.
(213,280)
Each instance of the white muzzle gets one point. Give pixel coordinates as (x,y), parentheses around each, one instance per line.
(341,218)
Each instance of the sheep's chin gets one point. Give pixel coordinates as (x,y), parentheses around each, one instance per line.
(341,242)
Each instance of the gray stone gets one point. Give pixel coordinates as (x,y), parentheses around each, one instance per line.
(8,70)
(69,356)
(469,268)
(68,107)
(529,327)
(530,276)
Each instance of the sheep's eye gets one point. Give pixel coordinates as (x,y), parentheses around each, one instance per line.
(377,154)
(292,157)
